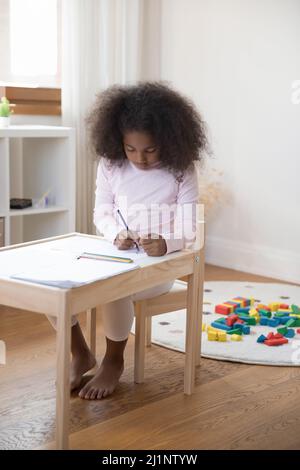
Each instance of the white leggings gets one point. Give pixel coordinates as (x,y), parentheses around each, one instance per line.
(117,316)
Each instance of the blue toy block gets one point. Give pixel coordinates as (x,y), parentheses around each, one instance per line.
(290,333)
(273,322)
(264,321)
(261,339)
(242,310)
(284,320)
(221,326)
(246,329)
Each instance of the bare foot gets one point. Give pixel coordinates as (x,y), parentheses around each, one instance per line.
(104,382)
(79,366)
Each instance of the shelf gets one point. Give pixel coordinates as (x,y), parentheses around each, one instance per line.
(35,131)
(33,211)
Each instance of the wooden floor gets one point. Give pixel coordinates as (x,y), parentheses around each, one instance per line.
(235,406)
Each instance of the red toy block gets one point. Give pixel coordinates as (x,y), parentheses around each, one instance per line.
(270,335)
(284,306)
(275,341)
(278,335)
(222,309)
(298,331)
(240,321)
(230,320)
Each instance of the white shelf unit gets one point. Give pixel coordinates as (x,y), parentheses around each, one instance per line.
(33,160)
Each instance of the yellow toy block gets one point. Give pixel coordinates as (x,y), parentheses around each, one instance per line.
(212,335)
(285,310)
(274,306)
(222,336)
(295,315)
(252,301)
(203,327)
(253,312)
(236,337)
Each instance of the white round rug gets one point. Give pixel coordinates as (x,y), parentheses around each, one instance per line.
(168,329)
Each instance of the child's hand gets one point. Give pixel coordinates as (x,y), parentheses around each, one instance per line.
(153,244)
(125,239)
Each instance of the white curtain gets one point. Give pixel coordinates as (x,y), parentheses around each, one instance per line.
(103,42)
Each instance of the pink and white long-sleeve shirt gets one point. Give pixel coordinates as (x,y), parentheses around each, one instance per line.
(151,200)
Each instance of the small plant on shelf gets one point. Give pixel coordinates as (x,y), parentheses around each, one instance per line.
(5,112)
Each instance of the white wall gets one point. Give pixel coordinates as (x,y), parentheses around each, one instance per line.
(238,59)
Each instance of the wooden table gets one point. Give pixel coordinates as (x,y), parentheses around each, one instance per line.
(63,303)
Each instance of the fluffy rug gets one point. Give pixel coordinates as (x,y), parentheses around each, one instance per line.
(168,329)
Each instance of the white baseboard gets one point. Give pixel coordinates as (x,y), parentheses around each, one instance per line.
(253,259)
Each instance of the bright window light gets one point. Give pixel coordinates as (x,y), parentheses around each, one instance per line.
(33,37)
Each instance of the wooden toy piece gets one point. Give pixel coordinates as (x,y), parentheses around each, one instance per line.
(223,309)
(298,331)
(275,341)
(282,330)
(222,336)
(231,319)
(286,311)
(265,313)
(203,327)
(221,326)
(239,322)
(295,309)
(246,330)
(284,320)
(270,335)
(230,305)
(240,301)
(236,337)
(221,320)
(233,304)
(248,320)
(290,333)
(278,335)
(212,336)
(273,322)
(235,331)
(290,323)
(261,339)
(274,306)
(244,310)
(263,321)
(263,307)
(284,306)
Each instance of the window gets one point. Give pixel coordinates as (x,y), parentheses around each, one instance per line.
(30,42)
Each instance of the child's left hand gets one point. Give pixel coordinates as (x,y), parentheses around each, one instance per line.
(153,244)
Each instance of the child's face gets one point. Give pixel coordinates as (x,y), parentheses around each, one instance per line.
(140,149)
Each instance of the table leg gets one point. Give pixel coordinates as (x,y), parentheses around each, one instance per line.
(192,322)
(200,307)
(63,352)
(91,329)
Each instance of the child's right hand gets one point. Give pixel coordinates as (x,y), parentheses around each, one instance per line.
(125,239)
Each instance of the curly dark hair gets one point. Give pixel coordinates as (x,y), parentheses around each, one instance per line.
(170,118)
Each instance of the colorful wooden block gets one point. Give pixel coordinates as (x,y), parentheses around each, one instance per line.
(295,309)
(290,323)
(221,326)
(231,319)
(265,313)
(235,331)
(274,306)
(282,330)
(222,336)
(261,339)
(290,333)
(246,330)
(284,306)
(244,310)
(273,322)
(236,337)
(298,331)
(212,336)
(222,309)
(275,341)
(263,321)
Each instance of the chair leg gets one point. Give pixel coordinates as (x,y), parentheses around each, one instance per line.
(91,329)
(139,345)
(148,331)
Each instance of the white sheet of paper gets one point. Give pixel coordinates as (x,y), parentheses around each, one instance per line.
(55,263)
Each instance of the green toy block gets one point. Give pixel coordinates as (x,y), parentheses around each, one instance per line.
(295,309)
(265,313)
(291,323)
(221,320)
(236,331)
(282,330)
(279,314)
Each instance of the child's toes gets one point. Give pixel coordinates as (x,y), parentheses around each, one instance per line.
(93,394)
(100,394)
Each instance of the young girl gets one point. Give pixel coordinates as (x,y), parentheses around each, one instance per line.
(148,137)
